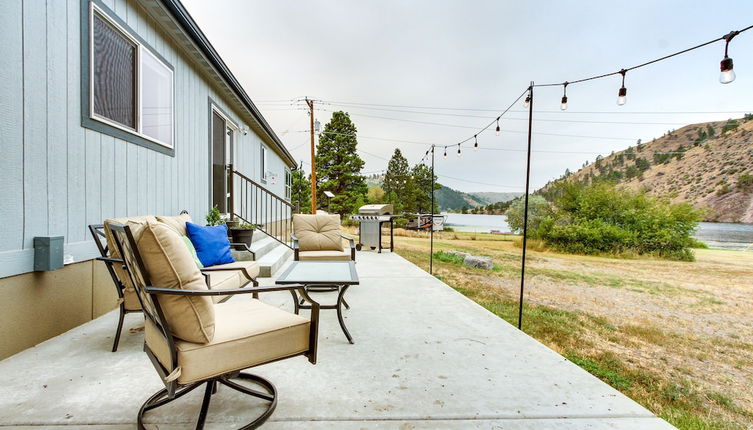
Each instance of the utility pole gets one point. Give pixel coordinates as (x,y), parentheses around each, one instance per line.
(310,103)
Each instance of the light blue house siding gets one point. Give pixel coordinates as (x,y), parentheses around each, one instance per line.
(56,176)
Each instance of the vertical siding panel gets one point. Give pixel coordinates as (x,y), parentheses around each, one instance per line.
(151,184)
(178,142)
(141,168)
(132,182)
(57,107)
(75,142)
(93,178)
(35,120)
(11,126)
(120,186)
(107,176)
(161,207)
(194,195)
(182,156)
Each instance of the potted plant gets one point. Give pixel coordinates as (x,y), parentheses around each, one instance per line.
(244,233)
(214,217)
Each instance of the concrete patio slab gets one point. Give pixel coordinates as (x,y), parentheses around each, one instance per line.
(425,357)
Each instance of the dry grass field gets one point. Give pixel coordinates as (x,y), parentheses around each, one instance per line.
(675,336)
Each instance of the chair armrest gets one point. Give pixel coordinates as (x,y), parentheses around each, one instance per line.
(243,247)
(349,239)
(352,246)
(197,293)
(296,247)
(203,270)
(110,260)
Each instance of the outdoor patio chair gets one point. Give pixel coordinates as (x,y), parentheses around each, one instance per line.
(226,276)
(192,341)
(319,237)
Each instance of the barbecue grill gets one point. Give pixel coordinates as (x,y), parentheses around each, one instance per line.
(370,220)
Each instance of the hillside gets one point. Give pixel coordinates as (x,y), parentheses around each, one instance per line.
(709,165)
(495,197)
(449,199)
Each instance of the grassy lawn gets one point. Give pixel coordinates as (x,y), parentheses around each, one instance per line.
(676,337)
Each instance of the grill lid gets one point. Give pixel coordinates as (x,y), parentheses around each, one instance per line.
(375,210)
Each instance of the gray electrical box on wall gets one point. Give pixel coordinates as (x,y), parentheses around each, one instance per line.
(48,253)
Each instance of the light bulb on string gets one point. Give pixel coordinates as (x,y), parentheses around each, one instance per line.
(726,66)
(563,106)
(622,93)
(498,129)
(458,150)
(445,152)
(475,142)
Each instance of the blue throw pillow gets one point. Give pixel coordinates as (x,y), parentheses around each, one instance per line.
(211,243)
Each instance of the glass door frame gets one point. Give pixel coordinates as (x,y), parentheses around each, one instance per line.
(230,132)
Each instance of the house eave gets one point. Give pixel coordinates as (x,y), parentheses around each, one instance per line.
(188,26)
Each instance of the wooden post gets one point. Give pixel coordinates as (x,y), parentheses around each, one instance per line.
(310,103)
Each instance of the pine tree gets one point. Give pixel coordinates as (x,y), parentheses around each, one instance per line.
(421,202)
(396,179)
(338,166)
(300,191)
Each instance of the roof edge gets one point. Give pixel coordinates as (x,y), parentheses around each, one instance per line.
(181,15)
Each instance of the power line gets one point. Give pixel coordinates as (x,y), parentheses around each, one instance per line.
(552,120)
(621,112)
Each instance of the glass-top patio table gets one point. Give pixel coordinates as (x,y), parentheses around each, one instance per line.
(317,276)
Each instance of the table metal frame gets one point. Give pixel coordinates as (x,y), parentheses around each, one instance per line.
(341,285)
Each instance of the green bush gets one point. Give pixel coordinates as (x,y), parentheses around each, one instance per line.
(603,219)
(538,208)
(745,181)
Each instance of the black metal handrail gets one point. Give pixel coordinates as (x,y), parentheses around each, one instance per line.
(253,203)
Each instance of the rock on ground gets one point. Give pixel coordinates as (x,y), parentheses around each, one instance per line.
(478,261)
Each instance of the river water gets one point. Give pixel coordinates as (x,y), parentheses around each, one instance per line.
(714,234)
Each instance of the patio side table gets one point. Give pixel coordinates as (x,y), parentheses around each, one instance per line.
(337,274)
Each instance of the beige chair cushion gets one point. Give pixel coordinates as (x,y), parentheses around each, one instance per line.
(318,232)
(247,333)
(225,280)
(323,255)
(170,265)
(130,299)
(177,223)
(247,269)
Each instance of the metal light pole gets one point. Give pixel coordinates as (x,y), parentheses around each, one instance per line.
(431,210)
(525,210)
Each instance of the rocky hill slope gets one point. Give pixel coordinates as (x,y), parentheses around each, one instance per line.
(709,165)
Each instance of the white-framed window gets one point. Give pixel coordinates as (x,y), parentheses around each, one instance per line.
(131,88)
(288,183)
(263,166)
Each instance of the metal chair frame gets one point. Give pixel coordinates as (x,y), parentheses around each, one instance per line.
(148,294)
(98,233)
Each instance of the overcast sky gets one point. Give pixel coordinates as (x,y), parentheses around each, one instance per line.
(482,55)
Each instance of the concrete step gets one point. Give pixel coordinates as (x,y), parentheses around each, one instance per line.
(270,262)
(263,246)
